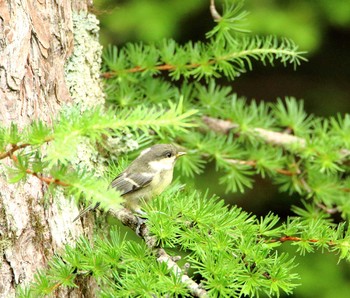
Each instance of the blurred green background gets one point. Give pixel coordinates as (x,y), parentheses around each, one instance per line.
(322,28)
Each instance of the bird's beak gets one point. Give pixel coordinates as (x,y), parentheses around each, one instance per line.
(180,154)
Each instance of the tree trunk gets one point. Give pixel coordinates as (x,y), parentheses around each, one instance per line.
(36,41)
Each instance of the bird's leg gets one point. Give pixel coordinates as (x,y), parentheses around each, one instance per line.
(141,220)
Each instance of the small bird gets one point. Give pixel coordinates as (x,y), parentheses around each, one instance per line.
(147,176)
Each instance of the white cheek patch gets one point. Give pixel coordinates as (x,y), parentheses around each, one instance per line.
(163,165)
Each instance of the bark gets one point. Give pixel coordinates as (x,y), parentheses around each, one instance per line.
(36,41)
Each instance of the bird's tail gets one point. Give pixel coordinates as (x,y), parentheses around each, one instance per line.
(87,209)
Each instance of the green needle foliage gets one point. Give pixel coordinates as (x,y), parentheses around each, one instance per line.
(68,132)
(166,92)
(232,252)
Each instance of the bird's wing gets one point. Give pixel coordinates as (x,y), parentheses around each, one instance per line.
(127,183)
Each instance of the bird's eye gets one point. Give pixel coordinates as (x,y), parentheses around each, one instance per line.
(168,154)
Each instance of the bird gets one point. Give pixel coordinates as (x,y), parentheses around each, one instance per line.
(147,176)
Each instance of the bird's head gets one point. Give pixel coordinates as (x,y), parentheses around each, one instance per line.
(161,157)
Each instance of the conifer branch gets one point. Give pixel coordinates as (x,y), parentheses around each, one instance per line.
(249,264)
(48,180)
(203,59)
(14,148)
(252,163)
(163,67)
(227,57)
(272,137)
(298,239)
(128,219)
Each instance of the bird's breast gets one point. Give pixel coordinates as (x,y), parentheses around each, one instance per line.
(161,181)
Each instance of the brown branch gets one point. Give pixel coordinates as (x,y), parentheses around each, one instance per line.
(252,163)
(285,172)
(47,180)
(219,125)
(130,220)
(14,148)
(272,137)
(298,239)
(111,74)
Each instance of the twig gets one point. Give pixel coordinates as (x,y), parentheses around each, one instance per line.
(129,219)
(306,185)
(14,148)
(328,210)
(214,13)
(252,163)
(298,239)
(47,180)
(272,137)
(111,74)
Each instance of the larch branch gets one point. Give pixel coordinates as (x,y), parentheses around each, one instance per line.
(129,219)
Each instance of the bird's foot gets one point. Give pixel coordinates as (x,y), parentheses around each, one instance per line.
(140,225)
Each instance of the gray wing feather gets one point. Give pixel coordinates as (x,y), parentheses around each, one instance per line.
(126,183)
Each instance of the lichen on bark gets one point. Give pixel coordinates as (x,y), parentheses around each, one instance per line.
(82,70)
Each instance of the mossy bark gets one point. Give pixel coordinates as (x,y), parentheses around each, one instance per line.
(38,46)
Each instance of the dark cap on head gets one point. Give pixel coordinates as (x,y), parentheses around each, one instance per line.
(160,151)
